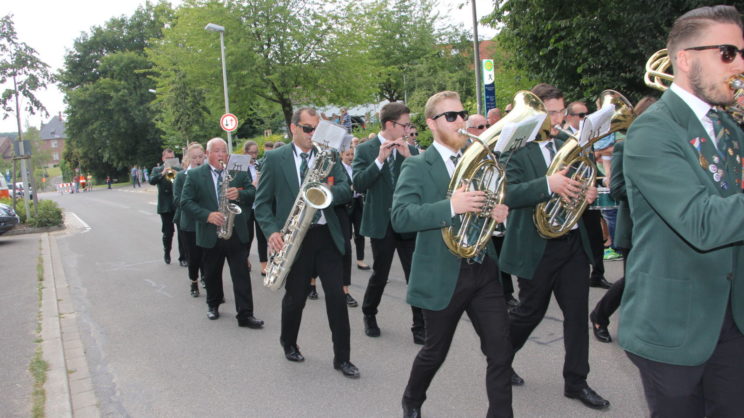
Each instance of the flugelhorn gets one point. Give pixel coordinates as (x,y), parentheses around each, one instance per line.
(479,169)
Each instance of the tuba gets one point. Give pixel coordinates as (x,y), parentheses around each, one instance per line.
(227,209)
(557,216)
(313,196)
(657,77)
(479,170)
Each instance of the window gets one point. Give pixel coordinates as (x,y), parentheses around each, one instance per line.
(55,156)
(54,144)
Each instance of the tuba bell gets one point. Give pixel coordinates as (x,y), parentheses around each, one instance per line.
(479,170)
(657,76)
(557,216)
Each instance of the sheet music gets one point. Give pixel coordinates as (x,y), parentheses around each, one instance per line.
(238,162)
(596,124)
(328,134)
(515,135)
(172,162)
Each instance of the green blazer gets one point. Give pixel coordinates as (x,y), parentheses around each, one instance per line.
(421,205)
(279,186)
(687,261)
(165,189)
(623,224)
(199,198)
(526,187)
(377,186)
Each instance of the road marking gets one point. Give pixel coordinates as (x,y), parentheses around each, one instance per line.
(152,203)
(144,212)
(86,227)
(159,288)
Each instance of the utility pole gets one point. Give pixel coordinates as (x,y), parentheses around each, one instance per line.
(476,58)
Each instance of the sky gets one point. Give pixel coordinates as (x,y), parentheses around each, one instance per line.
(51,26)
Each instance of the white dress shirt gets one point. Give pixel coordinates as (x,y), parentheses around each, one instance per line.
(699,108)
(310,164)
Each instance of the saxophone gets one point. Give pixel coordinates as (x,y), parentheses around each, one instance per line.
(227,209)
(314,195)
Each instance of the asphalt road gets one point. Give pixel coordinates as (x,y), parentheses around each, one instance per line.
(153,353)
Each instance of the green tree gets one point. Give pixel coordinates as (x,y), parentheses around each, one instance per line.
(589,46)
(106,84)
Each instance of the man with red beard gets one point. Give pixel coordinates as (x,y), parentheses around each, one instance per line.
(442,284)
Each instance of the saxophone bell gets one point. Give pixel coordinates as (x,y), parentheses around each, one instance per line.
(227,209)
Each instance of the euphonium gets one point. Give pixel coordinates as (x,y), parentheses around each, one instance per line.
(557,216)
(313,196)
(227,209)
(657,77)
(479,169)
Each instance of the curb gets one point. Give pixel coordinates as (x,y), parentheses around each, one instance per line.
(69,388)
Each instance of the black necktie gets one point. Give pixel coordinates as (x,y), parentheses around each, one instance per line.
(219,180)
(721,133)
(551,150)
(303,165)
(391,166)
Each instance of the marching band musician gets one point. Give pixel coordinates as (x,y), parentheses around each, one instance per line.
(544,266)
(200,200)
(441,284)
(185,223)
(322,249)
(682,311)
(166,209)
(376,167)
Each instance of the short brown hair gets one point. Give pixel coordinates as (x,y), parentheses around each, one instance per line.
(268,144)
(576,103)
(546,92)
(298,114)
(249,143)
(431,104)
(391,112)
(690,24)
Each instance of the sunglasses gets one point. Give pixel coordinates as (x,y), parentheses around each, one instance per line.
(581,115)
(728,52)
(481,127)
(306,129)
(413,134)
(452,116)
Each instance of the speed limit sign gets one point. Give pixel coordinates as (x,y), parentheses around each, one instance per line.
(229,122)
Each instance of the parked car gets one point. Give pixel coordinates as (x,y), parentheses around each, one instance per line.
(8,218)
(19,191)
(357,122)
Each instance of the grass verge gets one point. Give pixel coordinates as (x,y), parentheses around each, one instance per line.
(38,367)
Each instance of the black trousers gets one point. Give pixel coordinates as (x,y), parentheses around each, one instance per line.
(611,300)
(194,255)
(506,278)
(260,239)
(345,220)
(478,292)
(168,228)
(214,258)
(593,223)
(317,254)
(382,252)
(182,251)
(356,222)
(563,271)
(713,389)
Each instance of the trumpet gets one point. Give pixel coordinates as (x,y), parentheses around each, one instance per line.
(170,174)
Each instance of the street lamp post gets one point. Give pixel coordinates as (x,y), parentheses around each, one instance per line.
(476,58)
(221,29)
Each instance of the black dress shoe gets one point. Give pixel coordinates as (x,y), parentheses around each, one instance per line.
(348,369)
(370,326)
(194,289)
(600,331)
(419,336)
(589,398)
(166,258)
(313,295)
(250,322)
(600,282)
(292,353)
(363,266)
(350,301)
(411,412)
(511,302)
(183,263)
(213,313)
(516,380)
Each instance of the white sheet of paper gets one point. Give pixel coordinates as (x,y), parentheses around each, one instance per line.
(238,162)
(596,124)
(172,162)
(516,134)
(328,134)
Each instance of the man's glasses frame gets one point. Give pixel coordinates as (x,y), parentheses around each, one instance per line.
(728,52)
(306,128)
(451,116)
(408,125)
(582,115)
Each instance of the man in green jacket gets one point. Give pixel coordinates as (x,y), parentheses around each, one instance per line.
(376,166)
(322,249)
(443,285)
(683,306)
(166,209)
(200,201)
(558,266)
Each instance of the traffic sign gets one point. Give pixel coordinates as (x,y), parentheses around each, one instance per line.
(229,122)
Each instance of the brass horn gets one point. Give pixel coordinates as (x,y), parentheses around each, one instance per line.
(479,169)
(557,216)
